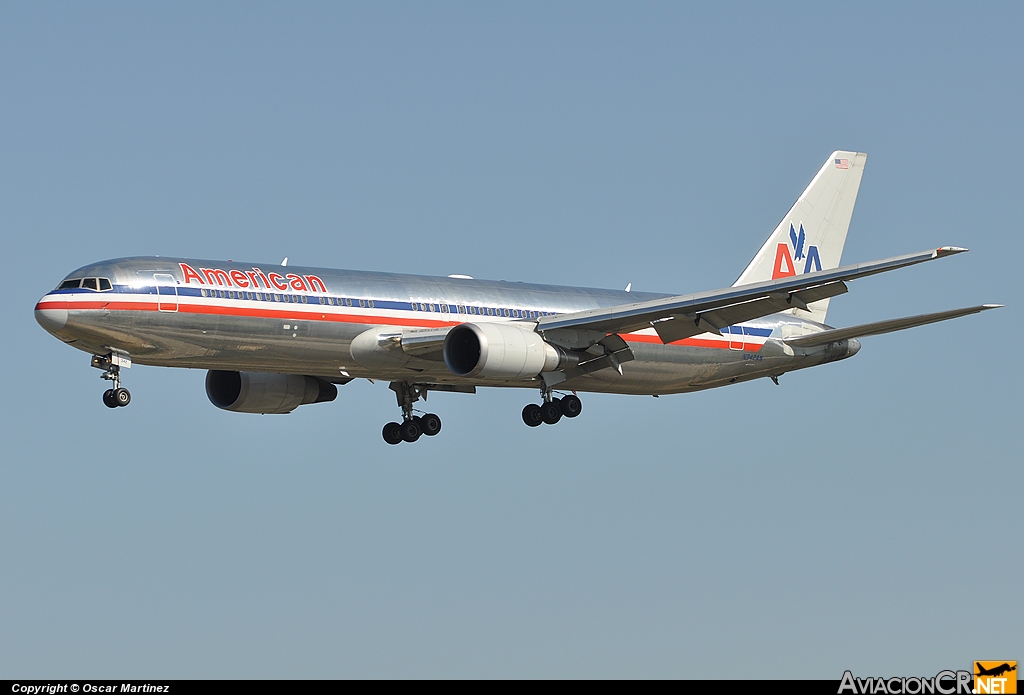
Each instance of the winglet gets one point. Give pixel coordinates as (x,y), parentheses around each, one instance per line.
(949,251)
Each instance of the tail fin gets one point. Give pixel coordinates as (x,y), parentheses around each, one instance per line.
(812,234)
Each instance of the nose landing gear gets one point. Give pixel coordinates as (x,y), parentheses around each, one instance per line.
(552,409)
(412,426)
(111,363)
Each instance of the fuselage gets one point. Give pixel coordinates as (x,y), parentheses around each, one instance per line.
(222,315)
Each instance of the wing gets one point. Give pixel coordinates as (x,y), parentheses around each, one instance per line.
(879,327)
(675,318)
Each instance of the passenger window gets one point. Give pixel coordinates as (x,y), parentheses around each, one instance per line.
(370,303)
(444,308)
(89,283)
(362,304)
(305,299)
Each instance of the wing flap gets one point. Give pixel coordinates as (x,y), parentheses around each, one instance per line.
(880,327)
(686,326)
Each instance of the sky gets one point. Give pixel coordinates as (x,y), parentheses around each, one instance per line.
(858,516)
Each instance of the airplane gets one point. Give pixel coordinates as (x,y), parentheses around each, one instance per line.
(995,671)
(276,337)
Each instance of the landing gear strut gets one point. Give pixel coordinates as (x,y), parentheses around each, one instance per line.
(117,396)
(412,426)
(552,409)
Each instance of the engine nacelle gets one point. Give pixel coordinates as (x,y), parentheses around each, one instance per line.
(499,350)
(257,392)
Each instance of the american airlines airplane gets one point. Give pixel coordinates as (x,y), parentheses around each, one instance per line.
(277,337)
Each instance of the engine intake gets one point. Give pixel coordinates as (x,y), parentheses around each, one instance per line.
(501,351)
(258,392)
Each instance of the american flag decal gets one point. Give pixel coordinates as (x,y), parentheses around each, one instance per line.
(842,164)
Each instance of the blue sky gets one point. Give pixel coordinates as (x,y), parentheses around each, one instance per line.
(860,515)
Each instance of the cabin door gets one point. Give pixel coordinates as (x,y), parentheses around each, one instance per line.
(167,292)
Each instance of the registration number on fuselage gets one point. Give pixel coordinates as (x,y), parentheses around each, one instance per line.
(753,357)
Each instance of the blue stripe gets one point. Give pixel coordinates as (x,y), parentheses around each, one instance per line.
(377,303)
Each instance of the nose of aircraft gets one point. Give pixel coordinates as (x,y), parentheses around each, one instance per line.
(52,313)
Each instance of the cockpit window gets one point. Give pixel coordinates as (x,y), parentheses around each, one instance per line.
(70,284)
(89,284)
(104,284)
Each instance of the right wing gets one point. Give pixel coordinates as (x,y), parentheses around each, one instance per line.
(675,318)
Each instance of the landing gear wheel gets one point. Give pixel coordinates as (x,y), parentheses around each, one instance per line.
(430,424)
(551,412)
(392,433)
(410,430)
(531,415)
(121,397)
(108,398)
(571,406)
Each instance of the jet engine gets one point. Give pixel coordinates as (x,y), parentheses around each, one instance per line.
(257,392)
(500,351)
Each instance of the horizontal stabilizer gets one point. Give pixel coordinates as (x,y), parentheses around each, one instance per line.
(880,327)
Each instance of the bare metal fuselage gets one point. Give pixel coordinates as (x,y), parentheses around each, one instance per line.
(241,319)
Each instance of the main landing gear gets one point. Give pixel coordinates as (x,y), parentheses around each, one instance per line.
(412,426)
(117,396)
(552,409)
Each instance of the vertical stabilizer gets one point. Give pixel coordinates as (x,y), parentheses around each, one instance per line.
(812,234)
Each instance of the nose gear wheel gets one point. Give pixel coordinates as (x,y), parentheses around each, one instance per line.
(118,396)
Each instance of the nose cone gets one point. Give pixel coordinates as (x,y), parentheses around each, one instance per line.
(852,347)
(52,314)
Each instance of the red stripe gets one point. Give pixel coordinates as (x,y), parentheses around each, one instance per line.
(216,310)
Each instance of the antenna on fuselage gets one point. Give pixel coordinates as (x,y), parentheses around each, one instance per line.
(284,262)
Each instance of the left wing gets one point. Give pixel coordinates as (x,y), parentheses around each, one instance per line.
(675,318)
